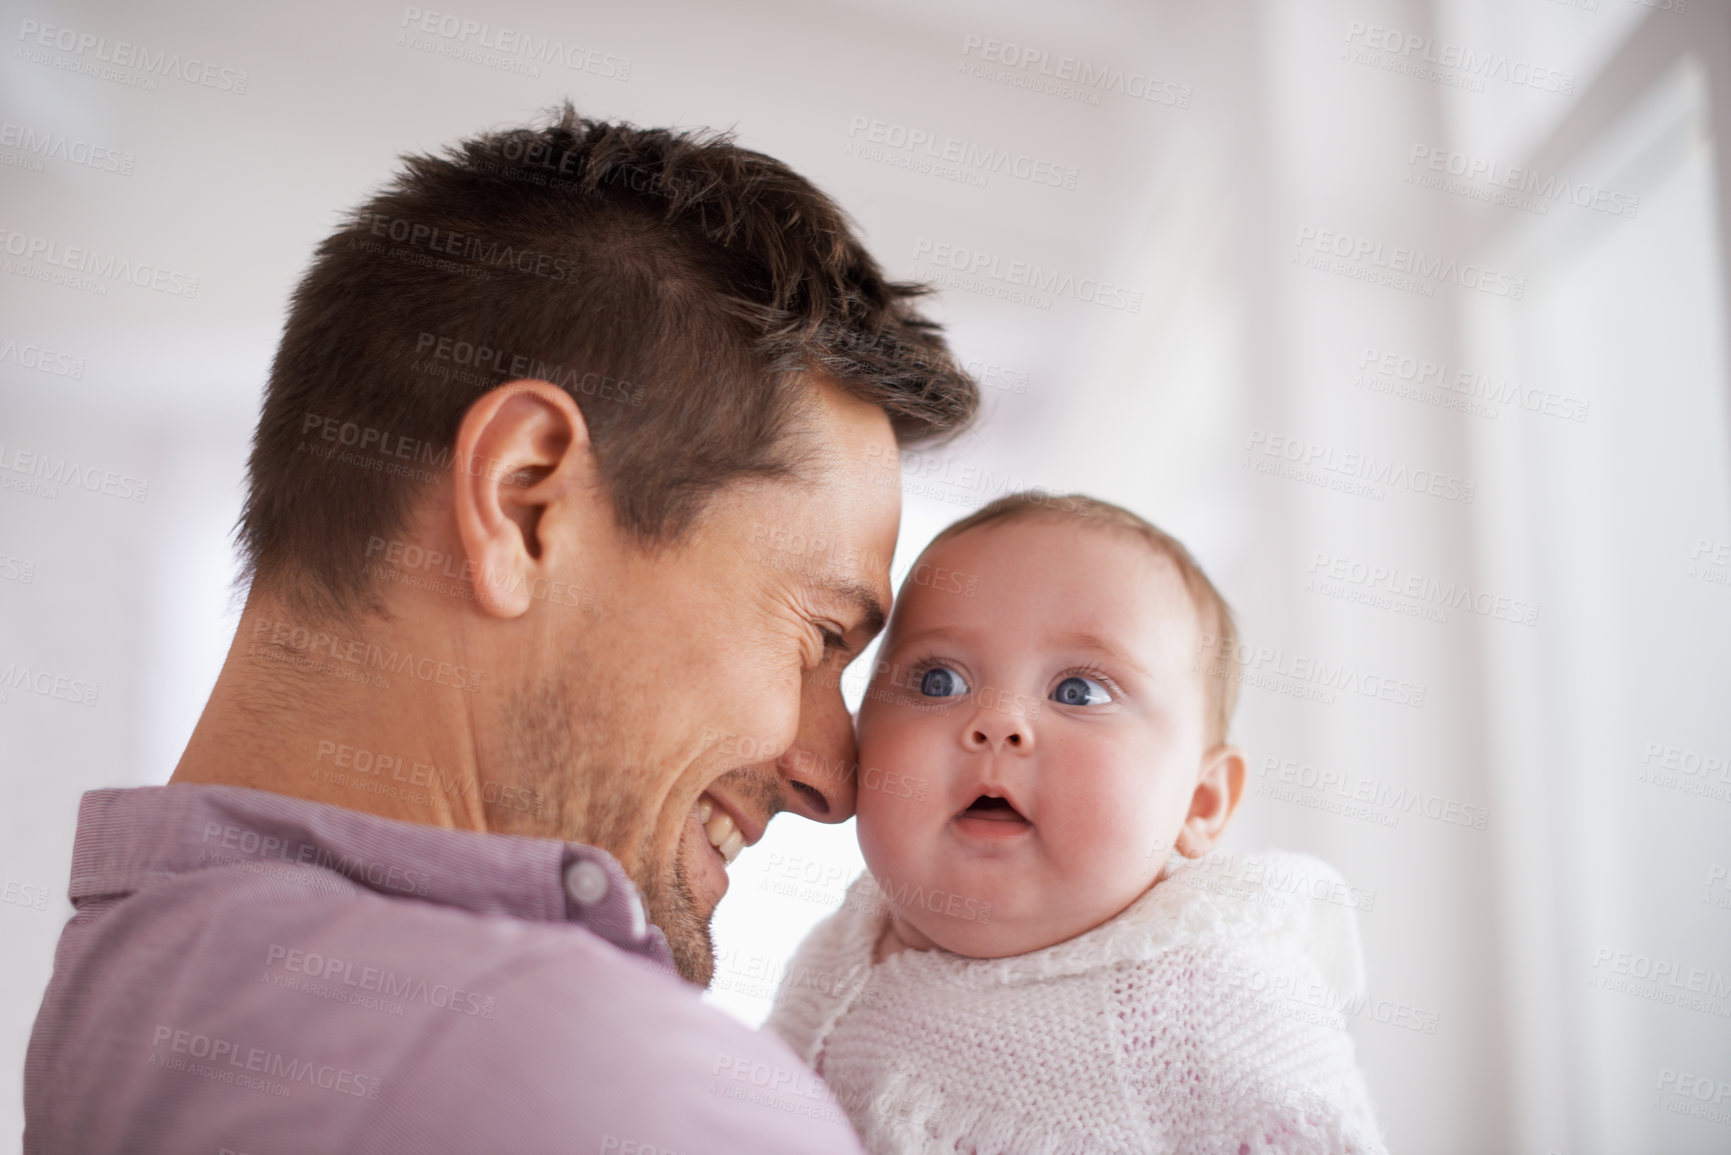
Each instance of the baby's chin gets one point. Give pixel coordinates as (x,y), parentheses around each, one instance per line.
(1009,916)
(993,907)
(981,934)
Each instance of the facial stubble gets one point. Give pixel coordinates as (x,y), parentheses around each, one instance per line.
(589,794)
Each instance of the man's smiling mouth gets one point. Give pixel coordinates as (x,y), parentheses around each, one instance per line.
(719,828)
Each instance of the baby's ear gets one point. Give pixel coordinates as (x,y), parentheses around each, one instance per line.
(1219,786)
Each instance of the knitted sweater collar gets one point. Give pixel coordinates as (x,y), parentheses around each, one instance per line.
(1272,895)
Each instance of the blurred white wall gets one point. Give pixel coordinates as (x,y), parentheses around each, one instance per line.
(1382,257)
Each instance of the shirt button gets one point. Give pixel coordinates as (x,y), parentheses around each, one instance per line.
(586,882)
(639,919)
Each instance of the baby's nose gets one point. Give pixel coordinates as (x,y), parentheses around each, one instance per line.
(996,729)
(1013,738)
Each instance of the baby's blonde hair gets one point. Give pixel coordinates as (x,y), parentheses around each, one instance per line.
(1216,657)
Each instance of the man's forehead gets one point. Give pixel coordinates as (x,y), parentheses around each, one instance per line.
(822,544)
(829,528)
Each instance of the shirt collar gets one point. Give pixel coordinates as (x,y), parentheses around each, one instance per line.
(129,838)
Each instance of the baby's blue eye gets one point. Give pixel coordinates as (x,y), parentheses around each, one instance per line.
(1079,691)
(941,682)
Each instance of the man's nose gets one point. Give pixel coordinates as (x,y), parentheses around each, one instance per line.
(998,728)
(821,767)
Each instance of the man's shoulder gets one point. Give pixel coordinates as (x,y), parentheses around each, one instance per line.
(608,1052)
(450,1026)
(416,965)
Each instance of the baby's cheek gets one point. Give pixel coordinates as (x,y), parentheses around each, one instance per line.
(891,807)
(889,833)
(895,770)
(889,795)
(1112,830)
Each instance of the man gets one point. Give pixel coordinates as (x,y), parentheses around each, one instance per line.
(573,492)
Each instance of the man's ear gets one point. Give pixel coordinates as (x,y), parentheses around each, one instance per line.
(1218,789)
(522,447)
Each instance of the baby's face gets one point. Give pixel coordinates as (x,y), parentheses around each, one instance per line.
(1064,686)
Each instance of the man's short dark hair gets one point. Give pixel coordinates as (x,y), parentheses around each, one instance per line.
(685,292)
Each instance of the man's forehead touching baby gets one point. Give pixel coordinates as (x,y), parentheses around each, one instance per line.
(1047,722)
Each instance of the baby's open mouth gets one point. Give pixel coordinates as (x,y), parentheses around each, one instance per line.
(991,808)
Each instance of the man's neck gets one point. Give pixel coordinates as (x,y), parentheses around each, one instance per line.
(354,714)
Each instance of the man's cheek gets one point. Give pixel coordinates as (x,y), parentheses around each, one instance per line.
(692,843)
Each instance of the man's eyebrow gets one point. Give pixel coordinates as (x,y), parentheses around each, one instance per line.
(862,597)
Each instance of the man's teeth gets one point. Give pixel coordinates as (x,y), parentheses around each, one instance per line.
(723,834)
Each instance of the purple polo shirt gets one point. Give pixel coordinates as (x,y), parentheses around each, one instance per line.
(258,975)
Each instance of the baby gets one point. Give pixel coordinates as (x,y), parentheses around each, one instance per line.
(1033,963)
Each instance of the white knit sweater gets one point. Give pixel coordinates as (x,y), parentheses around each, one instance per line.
(1206,1017)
